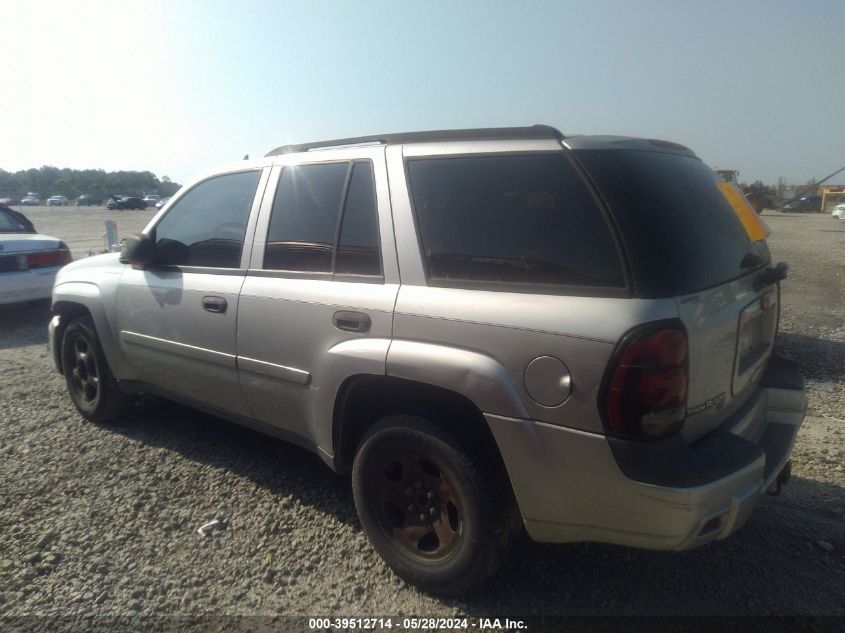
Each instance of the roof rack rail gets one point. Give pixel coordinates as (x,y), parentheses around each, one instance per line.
(477,134)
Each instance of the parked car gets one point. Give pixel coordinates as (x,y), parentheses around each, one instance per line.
(162,202)
(56,201)
(8,202)
(491,330)
(89,200)
(28,260)
(151,200)
(805,204)
(838,212)
(31,199)
(126,202)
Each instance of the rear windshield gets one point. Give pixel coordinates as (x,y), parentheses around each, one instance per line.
(12,222)
(681,233)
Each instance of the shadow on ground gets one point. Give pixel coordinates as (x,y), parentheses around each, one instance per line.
(818,358)
(23,324)
(773,565)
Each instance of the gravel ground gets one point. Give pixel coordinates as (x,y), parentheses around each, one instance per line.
(103,520)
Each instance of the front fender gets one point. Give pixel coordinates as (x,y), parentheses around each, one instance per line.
(67,297)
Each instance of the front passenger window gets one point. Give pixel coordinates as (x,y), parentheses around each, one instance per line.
(206,226)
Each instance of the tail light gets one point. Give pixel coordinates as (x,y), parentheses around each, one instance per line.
(43,259)
(645,390)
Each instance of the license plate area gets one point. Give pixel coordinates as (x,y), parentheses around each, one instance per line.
(755,336)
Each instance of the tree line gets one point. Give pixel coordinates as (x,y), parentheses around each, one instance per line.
(72,183)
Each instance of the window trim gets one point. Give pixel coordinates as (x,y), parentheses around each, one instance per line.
(263,174)
(330,275)
(624,291)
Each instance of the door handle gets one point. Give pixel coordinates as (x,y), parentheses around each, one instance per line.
(214,304)
(351,321)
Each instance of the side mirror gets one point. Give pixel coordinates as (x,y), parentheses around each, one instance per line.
(138,250)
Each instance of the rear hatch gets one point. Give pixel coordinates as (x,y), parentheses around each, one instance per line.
(685,240)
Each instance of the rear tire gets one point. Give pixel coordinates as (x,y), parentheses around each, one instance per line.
(430,512)
(91,385)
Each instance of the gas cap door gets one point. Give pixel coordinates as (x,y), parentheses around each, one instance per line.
(548,381)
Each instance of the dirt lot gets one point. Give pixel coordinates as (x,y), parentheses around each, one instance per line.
(82,228)
(103,520)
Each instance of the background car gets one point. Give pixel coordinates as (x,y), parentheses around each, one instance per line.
(151,200)
(126,202)
(8,201)
(838,212)
(29,261)
(57,201)
(806,204)
(162,202)
(89,200)
(31,200)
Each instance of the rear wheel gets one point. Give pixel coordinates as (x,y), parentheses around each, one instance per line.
(91,385)
(427,509)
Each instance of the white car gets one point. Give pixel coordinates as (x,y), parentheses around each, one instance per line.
(838,212)
(57,201)
(29,261)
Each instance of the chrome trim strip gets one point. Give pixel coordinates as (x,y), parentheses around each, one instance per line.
(273,370)
(172,347)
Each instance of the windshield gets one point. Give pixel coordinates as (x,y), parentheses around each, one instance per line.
(681,233)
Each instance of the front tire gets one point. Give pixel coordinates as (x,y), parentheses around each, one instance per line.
(430,513)
(91,385)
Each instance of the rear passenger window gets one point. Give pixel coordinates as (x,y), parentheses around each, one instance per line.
(309,233)
(303,223)
(206,226)
(358,251)
(497,220)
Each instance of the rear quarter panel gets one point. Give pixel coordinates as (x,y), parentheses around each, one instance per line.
(513,329)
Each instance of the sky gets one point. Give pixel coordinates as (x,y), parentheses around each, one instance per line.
(178,86)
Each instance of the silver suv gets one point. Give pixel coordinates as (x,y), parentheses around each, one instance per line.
(491,330)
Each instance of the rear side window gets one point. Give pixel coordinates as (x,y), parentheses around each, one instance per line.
(303,223)
(324,220)
(511,220)
(206,226)
(681,233)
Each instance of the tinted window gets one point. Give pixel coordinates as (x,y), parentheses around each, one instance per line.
(511,219)
(680,231)
(303,223)
(358,251)
(206,226)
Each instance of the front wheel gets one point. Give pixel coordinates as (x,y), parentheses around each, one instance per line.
(91,385)
(427,509)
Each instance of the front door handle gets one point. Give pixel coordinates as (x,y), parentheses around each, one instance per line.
(214,304)
(351,321)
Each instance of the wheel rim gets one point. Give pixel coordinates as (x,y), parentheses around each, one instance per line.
(84,372)
(419,506)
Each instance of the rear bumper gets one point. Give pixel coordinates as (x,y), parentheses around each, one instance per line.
(27,285)
(577,486)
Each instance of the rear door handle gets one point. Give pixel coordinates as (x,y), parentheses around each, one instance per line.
(351,321)
(214,304)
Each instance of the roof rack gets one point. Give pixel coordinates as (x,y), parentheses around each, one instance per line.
(477,134)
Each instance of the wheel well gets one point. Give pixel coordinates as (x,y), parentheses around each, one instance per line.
(68,312)
(363,400)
